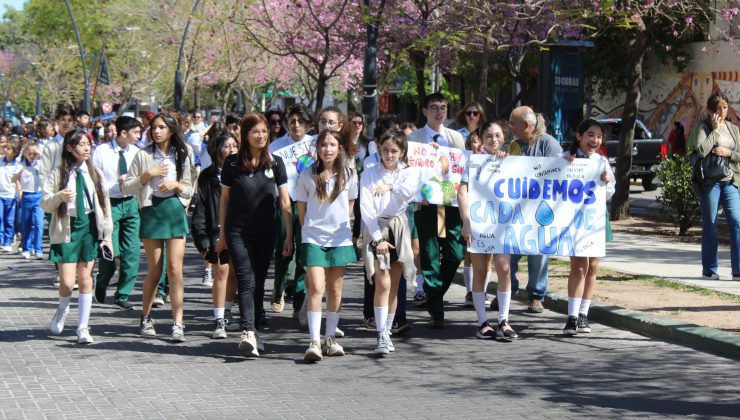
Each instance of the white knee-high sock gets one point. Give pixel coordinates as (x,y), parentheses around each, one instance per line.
(585,305)
(574,305)
(332,320)
(389,322)
(479,300)
(218,313)
(504,300)
(84,301)
(419,283)
(381,316)
(468,277)
(64,303)
(314,325)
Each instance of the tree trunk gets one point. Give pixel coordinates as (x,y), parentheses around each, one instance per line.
(419,60)
(483,81)
(320,91)
(636,48)
(196,97)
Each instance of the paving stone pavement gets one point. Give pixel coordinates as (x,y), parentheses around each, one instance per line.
(432,374)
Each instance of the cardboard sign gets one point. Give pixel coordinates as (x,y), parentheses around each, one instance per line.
(440,172)
(531,206)
(296,157)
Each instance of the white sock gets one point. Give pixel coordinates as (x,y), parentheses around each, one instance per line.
(389,322)
(488,280)
(381,317)
(504,300)
(585,305)
(218,313)
(314,325)
(84,302)
(64,303)
(419,283)
(228,305)
(479,300)
(332,320)
(574,304)
(468,277)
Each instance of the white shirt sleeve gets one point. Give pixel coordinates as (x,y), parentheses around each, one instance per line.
(303,187)
(352,189)
(368,206)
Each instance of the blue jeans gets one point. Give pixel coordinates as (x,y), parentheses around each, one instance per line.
(32,222)
(537,269)
(711,196)
(8,221)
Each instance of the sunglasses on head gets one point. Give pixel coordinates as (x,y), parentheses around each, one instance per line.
(472,113)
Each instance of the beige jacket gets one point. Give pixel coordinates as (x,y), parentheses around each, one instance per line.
(59,228)
(145,160)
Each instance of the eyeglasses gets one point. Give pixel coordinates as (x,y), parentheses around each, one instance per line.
(328,123)
(357,122)
(472,113)
(437,108)
(274,122)
(197,117)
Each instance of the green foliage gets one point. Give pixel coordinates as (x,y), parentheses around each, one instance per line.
(680,204)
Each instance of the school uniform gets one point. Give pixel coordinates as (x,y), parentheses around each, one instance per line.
(32,217)
(162,214)
(113,162)
(283,264)
(326,232)
(8,201)
(74,237)
(440,257)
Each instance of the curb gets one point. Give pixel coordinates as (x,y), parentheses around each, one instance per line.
(690,335)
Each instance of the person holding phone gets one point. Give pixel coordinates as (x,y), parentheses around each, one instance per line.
(81,218)
(112,159)
(718,136)
(161,177)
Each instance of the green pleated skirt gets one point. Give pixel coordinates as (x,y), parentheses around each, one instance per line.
(164,219)
(83,244)
(319,256)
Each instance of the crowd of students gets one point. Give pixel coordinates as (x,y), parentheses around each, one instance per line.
(353,201)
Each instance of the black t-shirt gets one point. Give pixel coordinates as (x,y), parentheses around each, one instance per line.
(252,196)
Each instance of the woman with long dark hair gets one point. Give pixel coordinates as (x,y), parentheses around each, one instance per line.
(250,182)
(275,122)
(80,218)
(161,177)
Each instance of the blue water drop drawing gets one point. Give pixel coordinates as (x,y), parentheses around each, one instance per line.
(544,214)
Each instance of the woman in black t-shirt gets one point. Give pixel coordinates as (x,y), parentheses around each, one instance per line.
(250,182)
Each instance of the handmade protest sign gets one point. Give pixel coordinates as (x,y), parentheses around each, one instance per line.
(296,157)
(440,171)
(532,205)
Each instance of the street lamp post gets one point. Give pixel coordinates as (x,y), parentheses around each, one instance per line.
(370,70)
(85,74)
(178,73)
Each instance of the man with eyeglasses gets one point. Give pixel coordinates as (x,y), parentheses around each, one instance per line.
(298,118)
(440,256)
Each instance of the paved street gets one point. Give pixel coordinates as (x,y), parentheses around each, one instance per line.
(440,374)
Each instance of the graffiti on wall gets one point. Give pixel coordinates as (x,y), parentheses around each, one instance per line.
(683,97)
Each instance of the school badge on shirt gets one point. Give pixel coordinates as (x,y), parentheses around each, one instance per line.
(268,172)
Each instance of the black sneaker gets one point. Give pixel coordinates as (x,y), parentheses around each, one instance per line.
(469,300)
(583,326)
(571,327)
(400,327)
(369,323)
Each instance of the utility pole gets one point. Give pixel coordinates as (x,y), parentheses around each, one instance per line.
(85,74)
(370,68)
(178,72)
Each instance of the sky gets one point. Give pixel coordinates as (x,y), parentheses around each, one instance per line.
(16,4)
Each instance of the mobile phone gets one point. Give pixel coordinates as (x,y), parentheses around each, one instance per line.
(107,253)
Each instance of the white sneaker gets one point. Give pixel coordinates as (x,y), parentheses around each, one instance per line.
(219,330)
(83,336)
(331,348)
(158,301)
(7,248)
(313,352)
(391,347)
(39,255)
(178,333)
(382,347)
(208,277)
(248,345)
(713,276)
(57,322)
(26,255)
(303,315)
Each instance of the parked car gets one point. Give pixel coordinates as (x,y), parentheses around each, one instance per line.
(648,150)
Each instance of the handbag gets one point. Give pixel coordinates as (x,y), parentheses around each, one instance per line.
(710,169)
